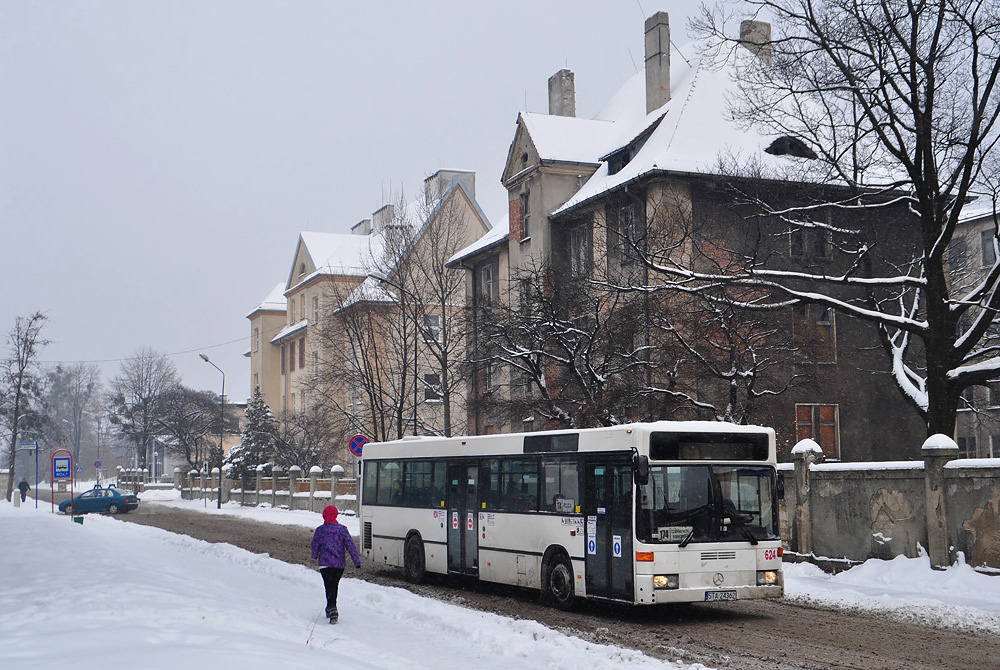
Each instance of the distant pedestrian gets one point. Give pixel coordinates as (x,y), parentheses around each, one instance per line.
(328,545)
(23,488)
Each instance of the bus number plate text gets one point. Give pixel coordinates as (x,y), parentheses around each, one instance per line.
(715,596)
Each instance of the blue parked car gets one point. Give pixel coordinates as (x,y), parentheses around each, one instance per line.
(109,500)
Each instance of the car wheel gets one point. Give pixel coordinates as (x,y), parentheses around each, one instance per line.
(413,560)
(557,583)
(112,509)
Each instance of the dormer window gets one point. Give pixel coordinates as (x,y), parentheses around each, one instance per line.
(787,145)
(619,160)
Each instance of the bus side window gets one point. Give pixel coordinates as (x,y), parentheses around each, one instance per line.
(389,481)
(489,484)
(519,485)
(370,474)
(417,484)
(560,487)
(439,484)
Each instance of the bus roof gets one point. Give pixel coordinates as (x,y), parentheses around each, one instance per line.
(612,438)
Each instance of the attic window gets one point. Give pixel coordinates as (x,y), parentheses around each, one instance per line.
(786,145)
(302,269)
(619,160)
(524,159)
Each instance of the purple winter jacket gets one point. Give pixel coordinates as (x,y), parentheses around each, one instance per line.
(328,544)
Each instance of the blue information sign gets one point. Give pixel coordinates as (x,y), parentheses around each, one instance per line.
(61,468)
(357,444)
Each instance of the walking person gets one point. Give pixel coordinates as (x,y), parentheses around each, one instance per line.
(23,488)
(329,543)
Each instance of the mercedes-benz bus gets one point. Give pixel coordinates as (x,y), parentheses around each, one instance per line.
(641,513)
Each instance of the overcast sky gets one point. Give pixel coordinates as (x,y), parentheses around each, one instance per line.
(158,159)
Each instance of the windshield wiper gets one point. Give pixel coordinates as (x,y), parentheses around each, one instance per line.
(687,539)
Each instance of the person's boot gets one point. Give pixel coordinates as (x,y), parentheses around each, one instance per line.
(333,615)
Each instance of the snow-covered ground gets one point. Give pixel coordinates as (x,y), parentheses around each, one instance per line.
(107,592)
(265,512)
(153,599)
(904,588)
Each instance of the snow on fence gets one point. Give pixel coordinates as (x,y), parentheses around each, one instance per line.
(855,511)
(288,489)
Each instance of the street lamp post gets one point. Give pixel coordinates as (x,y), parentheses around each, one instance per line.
(222,422)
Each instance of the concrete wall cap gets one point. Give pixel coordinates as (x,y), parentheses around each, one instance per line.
(294,470)
(805,446)
(177,469)
(215,471)
(939,441)
(260,468)
(337,469)
(315,470)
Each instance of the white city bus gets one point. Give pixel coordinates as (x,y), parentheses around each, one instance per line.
(642,513)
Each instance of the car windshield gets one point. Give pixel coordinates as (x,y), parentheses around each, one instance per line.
(707,503)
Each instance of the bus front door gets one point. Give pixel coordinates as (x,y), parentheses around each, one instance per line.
(608,508)
(463,526)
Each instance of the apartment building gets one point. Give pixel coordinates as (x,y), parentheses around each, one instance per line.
(309,349)
(588,197)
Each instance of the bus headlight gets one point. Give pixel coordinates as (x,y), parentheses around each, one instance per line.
(665,582)
(767,577)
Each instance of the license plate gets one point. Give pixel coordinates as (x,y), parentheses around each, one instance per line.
(715,596)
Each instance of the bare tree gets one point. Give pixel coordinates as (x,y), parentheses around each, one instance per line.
(309,437)
(439,292)
(391,345)
(72,393)
(19,381)
(891,106)
(136,397)
(187,422)
(577,354)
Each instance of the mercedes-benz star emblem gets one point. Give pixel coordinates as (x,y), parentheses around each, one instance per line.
(718,579)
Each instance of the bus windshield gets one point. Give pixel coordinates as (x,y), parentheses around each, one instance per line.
(707,503)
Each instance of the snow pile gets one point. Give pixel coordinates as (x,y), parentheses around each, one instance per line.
(907,589)
(265,512)
(138,596)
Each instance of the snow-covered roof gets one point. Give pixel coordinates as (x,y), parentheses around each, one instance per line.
(340,253)
(275,301)
(496,236)
(371,290)
(689,134)
(567,138)
(290,330)
(980,208)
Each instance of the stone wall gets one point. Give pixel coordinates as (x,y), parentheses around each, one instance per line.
(856,511)
(312,492)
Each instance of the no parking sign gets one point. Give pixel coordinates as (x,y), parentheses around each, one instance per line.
(357,444)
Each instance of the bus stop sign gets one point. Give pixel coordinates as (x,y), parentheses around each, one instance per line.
(357,444)
(62,468)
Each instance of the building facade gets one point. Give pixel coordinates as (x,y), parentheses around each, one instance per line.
(649,187)
(358,335)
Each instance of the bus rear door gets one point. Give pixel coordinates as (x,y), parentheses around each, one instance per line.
(463,526)
(608,508)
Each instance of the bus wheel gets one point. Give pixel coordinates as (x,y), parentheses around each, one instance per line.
(413,560)
(557,583)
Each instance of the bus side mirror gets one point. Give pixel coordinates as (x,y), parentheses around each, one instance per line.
(640,470)
(781,486)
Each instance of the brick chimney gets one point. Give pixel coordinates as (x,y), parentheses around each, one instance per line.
(657,61)
(562,94)
(440,181)
(384,217)
(756,36)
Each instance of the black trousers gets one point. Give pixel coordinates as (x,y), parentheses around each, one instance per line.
(331,580)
